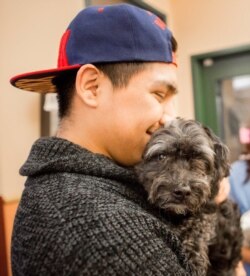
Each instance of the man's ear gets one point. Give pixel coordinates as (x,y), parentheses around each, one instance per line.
(87,81)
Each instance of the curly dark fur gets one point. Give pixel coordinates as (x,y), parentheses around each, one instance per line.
(224,252)
(181,169)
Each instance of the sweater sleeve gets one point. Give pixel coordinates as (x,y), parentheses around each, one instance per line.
(50,239)
(114,243)
(121,244)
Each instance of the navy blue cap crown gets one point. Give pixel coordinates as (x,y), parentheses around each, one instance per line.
(118,33)
(115,33)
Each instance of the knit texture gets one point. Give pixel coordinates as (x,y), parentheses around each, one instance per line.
(82,214)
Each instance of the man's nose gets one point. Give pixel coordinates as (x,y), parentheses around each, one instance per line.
(169,114)
(166,119)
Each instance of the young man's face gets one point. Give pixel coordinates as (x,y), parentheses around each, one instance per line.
(133,113)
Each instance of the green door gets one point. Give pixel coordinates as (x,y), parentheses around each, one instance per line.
(222,93)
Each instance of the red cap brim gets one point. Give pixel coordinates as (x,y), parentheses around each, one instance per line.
(40,81)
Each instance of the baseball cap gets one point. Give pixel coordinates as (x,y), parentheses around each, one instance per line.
(104,34)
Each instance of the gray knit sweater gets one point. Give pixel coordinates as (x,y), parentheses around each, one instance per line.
(82,214)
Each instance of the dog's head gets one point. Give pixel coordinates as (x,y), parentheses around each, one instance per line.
(182,166)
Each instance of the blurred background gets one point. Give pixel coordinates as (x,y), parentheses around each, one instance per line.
(213,71)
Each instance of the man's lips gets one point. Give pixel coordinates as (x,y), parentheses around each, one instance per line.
(149,132)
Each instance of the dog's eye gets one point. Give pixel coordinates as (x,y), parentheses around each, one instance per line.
(162,157)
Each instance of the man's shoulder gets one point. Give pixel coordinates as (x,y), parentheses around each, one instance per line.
(71,195)
(91,204)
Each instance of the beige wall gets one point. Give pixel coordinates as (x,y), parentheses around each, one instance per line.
(202,26)
(29,41)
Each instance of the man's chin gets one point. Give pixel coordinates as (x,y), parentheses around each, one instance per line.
(132,160)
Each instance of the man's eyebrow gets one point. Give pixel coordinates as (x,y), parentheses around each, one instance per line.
(167,86)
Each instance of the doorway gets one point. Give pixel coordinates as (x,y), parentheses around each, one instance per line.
(221,83)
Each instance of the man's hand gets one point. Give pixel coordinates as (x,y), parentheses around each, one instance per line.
(223,191)
(240,271)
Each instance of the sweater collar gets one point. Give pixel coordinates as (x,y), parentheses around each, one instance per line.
(53,154)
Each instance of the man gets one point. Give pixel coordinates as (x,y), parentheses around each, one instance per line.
(82,211)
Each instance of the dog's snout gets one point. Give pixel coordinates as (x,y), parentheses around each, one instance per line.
(182,192)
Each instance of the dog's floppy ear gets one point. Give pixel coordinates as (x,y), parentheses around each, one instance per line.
(221,159)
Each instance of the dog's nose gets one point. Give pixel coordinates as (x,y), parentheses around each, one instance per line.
(182,192)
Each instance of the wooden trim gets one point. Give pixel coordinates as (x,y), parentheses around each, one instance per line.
(3,249)
(10,200)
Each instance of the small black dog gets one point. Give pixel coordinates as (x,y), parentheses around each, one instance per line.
(181,170)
